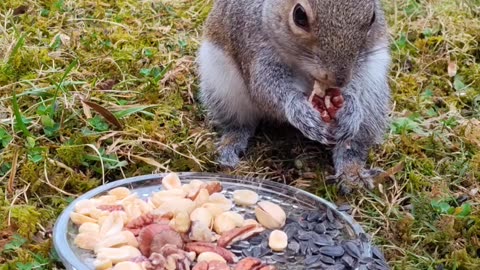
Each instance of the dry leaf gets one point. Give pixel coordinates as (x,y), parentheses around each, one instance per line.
(107,85)
(105,113)
(452,68)
(472,132)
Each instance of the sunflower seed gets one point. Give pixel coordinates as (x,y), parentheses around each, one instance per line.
(348,261)
(344,208)
(303,248)
(311,260)
(304,235)
(330,216)
(365,260)
(352,249)
(332,251)
(247,253)
(303,224)
(323,240)
(256,251)
(279,259)
(320,228)
(382,264)
(256,240)
(316,266)
(289,220)
(327,260)
(313,216)
(336,267)
(377,253)
(338,225)
(294,246)
(333,233)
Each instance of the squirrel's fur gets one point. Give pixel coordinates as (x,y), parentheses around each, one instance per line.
(255,63)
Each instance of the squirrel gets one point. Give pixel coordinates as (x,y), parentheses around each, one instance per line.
(259,60)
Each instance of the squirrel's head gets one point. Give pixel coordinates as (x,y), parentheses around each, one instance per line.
(324,38)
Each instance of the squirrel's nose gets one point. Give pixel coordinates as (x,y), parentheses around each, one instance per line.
(331,79)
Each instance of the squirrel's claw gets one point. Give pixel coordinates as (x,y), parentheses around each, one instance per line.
(364,178)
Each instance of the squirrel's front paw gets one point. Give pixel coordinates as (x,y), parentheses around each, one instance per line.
(302,115)
(352,178)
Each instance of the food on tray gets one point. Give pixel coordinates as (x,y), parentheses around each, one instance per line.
(183,226)
(270,215)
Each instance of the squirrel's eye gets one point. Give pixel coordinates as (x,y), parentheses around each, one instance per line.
(373,19)
(300,17)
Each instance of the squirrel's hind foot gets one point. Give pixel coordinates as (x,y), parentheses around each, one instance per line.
(232,145)
(360,178)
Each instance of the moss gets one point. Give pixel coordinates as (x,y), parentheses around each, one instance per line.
(71,155)
(25,218)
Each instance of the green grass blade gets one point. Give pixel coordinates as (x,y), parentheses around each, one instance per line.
(18,116)
(59,85)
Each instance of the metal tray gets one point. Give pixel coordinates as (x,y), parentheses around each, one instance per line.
(294,201)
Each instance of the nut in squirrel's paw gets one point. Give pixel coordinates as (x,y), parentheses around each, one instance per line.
(327,101)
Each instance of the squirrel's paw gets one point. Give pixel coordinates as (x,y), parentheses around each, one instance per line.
(362,178)
(228,158)
(232,145)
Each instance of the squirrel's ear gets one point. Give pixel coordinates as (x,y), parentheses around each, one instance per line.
(301,17)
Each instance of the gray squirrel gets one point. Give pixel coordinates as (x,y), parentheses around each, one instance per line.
(259,60)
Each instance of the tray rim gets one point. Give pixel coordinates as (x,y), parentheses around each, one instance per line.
(72,262)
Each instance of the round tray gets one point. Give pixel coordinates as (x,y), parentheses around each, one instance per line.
(294,201)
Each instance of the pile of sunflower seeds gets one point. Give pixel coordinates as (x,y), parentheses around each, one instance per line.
(316,241)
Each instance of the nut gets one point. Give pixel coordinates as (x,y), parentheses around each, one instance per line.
(147,234)
(219,198)
(177,205)
(79,219)
(223,223)
(103,264)
(236,217)
(122,238)
(161,197)
(106,199)
(238,234)
(202,197)
(171,181)
(201,233)
(120,254)
(87,240)
(215,209)
(136,208)
(89,227)
(113,224)
(201,266)
(111,208)
(164,238)
(84,207)
(248,263)
(203,216)
(200,247)
(216,265)
(181,222)
(210,256)
(278,240)
(270,215)
(245,197)
(250,222)
(127,266)
(192,188)
(213,187)
(120,192)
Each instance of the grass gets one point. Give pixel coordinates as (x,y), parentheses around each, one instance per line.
(94,91)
